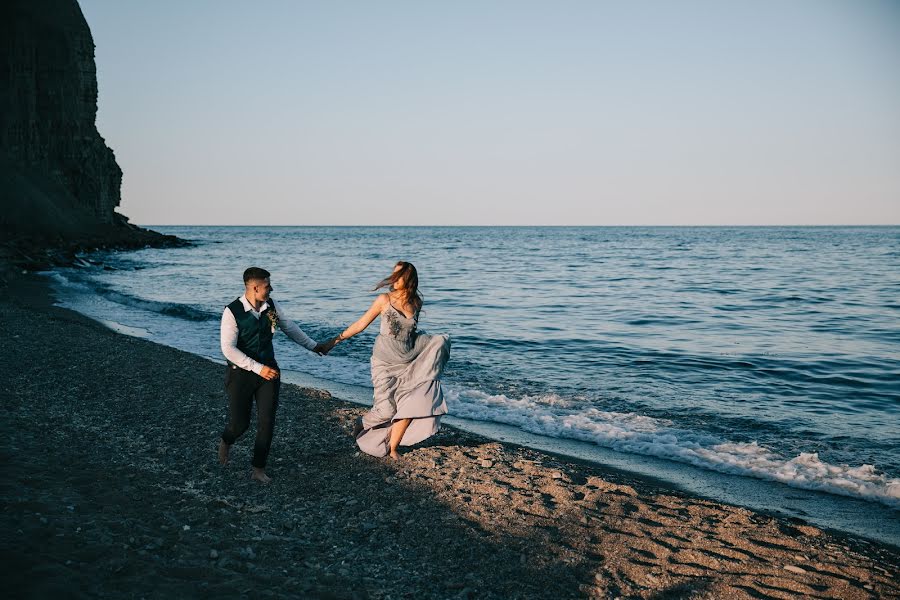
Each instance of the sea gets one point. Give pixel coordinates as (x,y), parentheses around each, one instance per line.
(769,353)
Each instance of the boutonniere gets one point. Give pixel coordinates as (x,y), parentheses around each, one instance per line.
(273,319)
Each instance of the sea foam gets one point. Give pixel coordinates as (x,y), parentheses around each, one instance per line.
(549,414)
(553,416)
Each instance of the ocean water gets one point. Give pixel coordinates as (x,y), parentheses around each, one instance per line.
(764,352)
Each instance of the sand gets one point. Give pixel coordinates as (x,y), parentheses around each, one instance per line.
(111,488)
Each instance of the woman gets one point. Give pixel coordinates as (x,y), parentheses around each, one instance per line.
(406,369)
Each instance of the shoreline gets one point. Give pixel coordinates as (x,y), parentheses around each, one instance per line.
(869,518)
(844,515)
(112,484)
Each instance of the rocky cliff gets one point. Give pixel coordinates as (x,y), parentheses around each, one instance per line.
(59,181)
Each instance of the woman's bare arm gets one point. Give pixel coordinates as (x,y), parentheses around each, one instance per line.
(364,321)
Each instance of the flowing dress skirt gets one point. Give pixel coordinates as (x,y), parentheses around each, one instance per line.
(406,378)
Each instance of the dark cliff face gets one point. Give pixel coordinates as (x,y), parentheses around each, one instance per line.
(48,109)
(59,181)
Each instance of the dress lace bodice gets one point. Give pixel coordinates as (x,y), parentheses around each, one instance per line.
(396,325)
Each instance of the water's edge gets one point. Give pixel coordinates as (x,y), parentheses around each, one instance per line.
(843,514)
(522,423)
(846,515)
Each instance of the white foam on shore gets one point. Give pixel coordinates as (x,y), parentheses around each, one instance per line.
(60,280)
(553,416)
(547,415)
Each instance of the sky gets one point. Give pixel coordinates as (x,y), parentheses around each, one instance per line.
(494,112)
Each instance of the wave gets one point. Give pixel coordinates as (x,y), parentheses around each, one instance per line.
(553,416)
(556,416)
(170,309)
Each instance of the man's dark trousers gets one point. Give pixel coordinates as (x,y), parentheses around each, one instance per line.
(242,388)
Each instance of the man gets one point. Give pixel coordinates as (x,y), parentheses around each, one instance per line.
(248,325)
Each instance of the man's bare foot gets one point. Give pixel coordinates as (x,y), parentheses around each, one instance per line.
(394,454)
(260,476)
(223,452)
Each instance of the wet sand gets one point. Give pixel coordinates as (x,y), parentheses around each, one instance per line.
(111,488)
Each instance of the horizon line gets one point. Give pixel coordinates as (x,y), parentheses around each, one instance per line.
(502,225)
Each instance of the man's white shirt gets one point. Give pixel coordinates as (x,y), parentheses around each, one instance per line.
(229,335)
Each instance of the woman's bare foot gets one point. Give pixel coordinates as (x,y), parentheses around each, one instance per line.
(260,475)
(223,452)
(394,454)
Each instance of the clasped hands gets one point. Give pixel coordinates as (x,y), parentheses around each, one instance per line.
(323,348)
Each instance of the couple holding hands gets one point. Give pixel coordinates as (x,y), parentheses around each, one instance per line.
(406,367)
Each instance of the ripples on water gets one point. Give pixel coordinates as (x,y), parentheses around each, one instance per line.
(786,338)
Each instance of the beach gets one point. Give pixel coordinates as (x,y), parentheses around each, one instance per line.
(112,489)
(674,368)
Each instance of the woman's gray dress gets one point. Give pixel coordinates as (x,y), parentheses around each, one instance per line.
(406,374)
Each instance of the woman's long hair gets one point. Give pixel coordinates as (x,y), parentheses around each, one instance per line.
(411,283)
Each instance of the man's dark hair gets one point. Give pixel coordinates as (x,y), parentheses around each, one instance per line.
(255,273)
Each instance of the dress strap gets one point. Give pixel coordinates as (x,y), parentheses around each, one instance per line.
(402,314)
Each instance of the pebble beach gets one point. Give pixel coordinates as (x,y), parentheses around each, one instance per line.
(111,488)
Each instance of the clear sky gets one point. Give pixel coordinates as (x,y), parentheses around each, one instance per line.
(502,112)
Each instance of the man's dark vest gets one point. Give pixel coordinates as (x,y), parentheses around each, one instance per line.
(255,335)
